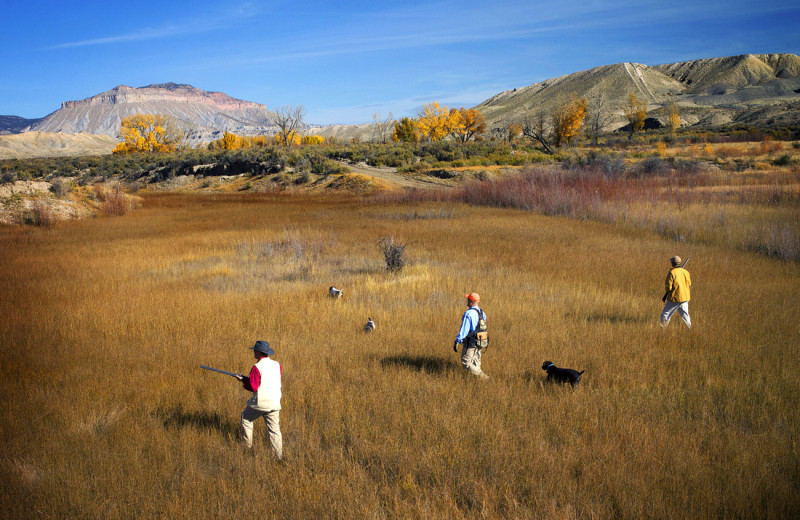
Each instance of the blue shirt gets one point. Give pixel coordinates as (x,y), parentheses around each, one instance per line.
(469,323)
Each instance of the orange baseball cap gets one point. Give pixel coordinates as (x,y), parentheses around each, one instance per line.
(473,297)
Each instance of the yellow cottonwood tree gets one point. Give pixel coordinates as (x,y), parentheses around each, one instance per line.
(435,122)
(673,116)
(148,133)
(230,141)
(467,123)
(568,120)
(635,112)
(288,138)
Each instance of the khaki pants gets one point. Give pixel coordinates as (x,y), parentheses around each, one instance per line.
(471,360)
(272,419)
(669,310)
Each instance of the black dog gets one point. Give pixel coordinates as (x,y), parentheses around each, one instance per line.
(562,375)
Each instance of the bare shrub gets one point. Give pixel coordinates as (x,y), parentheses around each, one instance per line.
(394,253)
(611,166)
(652,166)
(60,188)
(768,146)
(777,239)
(100,192)
(116,204)
(8,178)
(41,215)
(688,166)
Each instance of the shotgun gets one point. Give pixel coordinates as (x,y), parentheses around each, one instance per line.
(237,376)
(664,298)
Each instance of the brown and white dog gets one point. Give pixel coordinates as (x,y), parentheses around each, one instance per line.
(370,326)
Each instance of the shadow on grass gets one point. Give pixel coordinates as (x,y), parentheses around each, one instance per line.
(430,365)
(613,319)
(177,418)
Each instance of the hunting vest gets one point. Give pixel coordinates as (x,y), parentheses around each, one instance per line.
(268,395)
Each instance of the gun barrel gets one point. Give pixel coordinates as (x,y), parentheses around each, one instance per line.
(221,371)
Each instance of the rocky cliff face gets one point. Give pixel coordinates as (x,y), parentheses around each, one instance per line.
(206,115)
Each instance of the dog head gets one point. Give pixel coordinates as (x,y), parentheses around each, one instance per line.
(546,365)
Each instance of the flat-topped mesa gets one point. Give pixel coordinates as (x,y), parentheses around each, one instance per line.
(204,115)
(168,92)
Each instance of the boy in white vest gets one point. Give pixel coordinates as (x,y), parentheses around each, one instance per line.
(265,383)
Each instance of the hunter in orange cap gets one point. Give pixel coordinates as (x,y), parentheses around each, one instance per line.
(472,336)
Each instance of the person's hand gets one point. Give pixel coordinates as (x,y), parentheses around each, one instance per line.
(456,345)
(240,377)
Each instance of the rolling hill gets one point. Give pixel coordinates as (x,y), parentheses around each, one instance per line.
(756,90)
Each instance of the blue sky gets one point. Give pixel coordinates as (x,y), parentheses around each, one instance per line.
(347,60)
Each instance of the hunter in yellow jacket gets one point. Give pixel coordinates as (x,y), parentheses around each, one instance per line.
(676,297)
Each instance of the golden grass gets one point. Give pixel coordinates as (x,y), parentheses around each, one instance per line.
(106,413)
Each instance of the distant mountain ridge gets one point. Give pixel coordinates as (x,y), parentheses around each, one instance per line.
(15,124)
(750,89)
(204,114)
(735,71)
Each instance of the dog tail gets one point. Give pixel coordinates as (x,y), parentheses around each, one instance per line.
(581,372)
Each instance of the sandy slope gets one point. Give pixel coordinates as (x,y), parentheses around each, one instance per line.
(46,144)
(391,175)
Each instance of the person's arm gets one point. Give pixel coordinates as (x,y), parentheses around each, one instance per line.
(667,286)
(254,381)
(465,328)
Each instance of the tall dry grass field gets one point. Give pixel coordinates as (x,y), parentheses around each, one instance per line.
(105,412)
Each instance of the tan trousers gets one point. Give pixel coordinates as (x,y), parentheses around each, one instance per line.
(272,419)
(669,310)
(471,360)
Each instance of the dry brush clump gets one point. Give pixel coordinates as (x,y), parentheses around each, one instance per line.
(394,253)
(41,214)
(678,199)
(665,423)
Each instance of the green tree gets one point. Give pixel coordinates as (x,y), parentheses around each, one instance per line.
(406,131)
